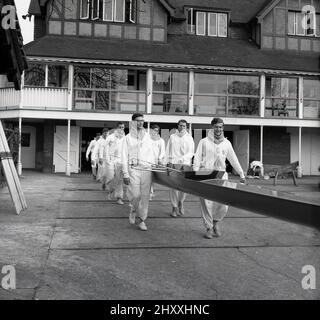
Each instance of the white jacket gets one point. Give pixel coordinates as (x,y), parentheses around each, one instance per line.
(91,147)
(159,150)
(136,152)
(111,148)
(212,156)
(180,149)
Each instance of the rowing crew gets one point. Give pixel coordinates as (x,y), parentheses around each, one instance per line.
(129,159)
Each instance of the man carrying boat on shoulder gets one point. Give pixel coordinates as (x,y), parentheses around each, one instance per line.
(211,154)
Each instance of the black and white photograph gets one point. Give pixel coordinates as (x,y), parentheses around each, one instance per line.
(160,151)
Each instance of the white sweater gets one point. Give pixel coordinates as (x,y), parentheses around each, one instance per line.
(136,152)
(212,156)
(180,149)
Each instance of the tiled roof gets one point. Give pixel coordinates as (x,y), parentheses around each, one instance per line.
(186,49)
(242,11)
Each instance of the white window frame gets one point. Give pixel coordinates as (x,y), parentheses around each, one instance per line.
(297,28)
(97,4)
(209,20)
(88,9)
(218,28)
(193,26)
(204,23)
(123,11)
(132,11)
(104,10)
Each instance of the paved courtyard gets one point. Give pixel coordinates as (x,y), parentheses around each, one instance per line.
(73,243)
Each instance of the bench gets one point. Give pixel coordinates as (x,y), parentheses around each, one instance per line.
(281,170)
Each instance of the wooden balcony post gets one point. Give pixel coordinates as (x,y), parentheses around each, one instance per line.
(70,86)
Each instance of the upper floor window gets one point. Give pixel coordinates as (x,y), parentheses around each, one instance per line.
(109,10)
(204,23)
(303,23)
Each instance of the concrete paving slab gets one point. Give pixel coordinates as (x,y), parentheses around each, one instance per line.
(170,274)
(157,209)
(179,232)
(25,246)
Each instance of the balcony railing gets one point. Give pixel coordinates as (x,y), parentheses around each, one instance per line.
(34,98)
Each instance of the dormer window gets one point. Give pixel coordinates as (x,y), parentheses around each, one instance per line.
(109,10)
(204,23)
(303,23)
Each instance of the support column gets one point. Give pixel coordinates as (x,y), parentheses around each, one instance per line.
(148,127)
(149,90)
(191,93)
(19,164)
(262,95)
(21,92)
(68,167)
(261,149)
(70,86)
(299,168)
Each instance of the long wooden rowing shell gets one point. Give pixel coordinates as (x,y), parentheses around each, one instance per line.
(253,198)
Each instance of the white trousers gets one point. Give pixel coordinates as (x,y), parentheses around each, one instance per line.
(138,191)
(212,211)
(114,179)
(177,197)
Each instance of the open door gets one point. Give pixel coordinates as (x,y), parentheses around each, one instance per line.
(241,148)
(60,148)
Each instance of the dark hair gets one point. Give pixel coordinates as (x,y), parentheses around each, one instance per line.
(182,120)
(216,120)
(98,134)
(105,130)
(120,123)
(155,126)
(136,115)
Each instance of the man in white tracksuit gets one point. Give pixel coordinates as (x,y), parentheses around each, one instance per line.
(137,159)
(159,149)
(110,152)
(90,149)
(179,153)
(96,150)
(211,154)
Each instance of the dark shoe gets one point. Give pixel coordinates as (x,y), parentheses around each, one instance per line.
(174,212)
(209,234)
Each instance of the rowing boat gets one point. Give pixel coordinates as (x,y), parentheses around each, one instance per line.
(272,203)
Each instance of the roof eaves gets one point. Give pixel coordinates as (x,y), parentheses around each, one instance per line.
(262,13)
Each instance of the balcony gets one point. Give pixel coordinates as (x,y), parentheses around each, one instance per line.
(34,98)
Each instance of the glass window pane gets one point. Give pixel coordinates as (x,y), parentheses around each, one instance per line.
(318,25)
(169,103)
(58,76)
(243,106)
(311,109)
(212,24)
(191,21)
(210,105)
(161,81)
(210,83)
(35,75)
(108,10)
(82,78)
(310,24)
(222,25)
(300,29)
(201,23)
(291,29)
(95,9)
(119,10)
(244,85)
(281,108)
(179,82)
(101,78)
(84,9)
(311,89)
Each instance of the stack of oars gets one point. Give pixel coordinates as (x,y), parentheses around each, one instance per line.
(10,173)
